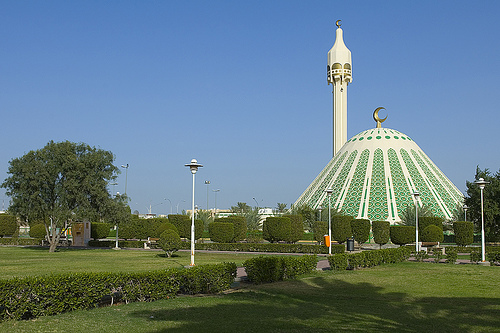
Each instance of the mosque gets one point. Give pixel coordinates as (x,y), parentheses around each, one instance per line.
(375,174)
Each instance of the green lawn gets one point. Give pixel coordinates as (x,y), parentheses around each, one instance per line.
(18,262)
(405,297)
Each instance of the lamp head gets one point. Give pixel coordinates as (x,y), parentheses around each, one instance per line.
(481,183)
(329,192)
(193,166)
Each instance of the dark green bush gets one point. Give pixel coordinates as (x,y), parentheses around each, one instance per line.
(221,232)
(421,255)
(276,229)
(183,225)
(493,258)
(8,225)
(475,256)
(464,232)
(133,229)
(432,233)
(296,228)
(360,230)
(341,228)
(264,269)
(320,229)
(239,224)
(165,226)
(451,254)
(338,262)
(425,221)
(402,234)
(99,230)
(381,232)
(169,241)
(38,231)
(356,260)
(19,241)
(33,297)
(368,258)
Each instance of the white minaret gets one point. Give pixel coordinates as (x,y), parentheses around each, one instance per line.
(339,75)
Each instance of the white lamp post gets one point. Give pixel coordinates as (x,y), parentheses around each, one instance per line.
(482,183)
(193,166)
(126,176)
(329,192)
(215,210)
(207,182)
(417,243)
(320,209)
(465,212)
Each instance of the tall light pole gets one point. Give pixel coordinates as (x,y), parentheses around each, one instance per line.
(482,183)
(170,205)
(126,176)
(207,182)
(215,192)
(113,184)
(256,202)
(193,166)
(417,243)
(329,192)
(320,209)
(465,212)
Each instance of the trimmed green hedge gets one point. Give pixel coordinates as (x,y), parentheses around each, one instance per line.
(296,228)
(239,227)
(432,233)
(183,225)
(99,230)
(276,229)
(8,225)
(402,234)
(32,297)
(221,232)
(19,241)
(368,258)
(263,269)
(464,232)
(341,228)
(320,229)
(381,232)
(38,231)
(360,230)
(425,221)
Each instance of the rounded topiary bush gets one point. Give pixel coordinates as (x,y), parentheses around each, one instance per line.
(170,241)
(360,230)
(320,229)
(38,231)
(221,232)
(402,234)
(381,232)
(464,232)
(239,226)
(432,233)
(341,228)
(8,225)
(166,226)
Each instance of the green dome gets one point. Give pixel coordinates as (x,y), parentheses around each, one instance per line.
(374,175)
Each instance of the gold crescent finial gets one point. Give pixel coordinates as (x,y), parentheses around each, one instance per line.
(338,24)
(377,118)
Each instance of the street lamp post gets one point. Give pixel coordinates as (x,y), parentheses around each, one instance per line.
(170,205)
(207,182)
(465,212)
(320,209)
(482,183)
(193,166)
(126,176)
(215,210)
(417,243)
(329,192)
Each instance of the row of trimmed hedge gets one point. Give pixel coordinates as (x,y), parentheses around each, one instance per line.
(264,269)
(371,258)
(32,297)
(19,241)
(241,247)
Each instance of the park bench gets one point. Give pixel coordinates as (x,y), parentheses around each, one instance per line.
(151,243)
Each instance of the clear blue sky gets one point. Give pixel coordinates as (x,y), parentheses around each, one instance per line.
(241,86)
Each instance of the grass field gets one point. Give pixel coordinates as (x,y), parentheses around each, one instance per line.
(405,297)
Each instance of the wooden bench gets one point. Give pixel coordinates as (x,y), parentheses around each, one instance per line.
(150,243)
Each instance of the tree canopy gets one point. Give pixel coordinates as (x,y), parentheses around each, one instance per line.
(60,183)
(491,197)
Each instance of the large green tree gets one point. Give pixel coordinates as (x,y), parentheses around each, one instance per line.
(491,204)
(61,183)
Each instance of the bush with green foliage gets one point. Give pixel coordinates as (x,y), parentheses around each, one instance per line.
(493,258)
(320,229)
(169,242)
(368,258)
(19,241)
(165,225)
(99,230)
(464,232)
(221,232)
(338,262)
(475,256)
(8,225)
(402,234)
(360,230)
(32,297)
(421,255)
(451,254)
(432,233)
(381,232)
(38,231)
(425,221)
(239,227)
(296,228)
(183,225)
(341,228)
(263,269)
(276,229)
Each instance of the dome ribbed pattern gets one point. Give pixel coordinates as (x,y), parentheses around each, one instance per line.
(374,175)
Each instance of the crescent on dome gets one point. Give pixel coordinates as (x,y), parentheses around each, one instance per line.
(338,23)
(377,118)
